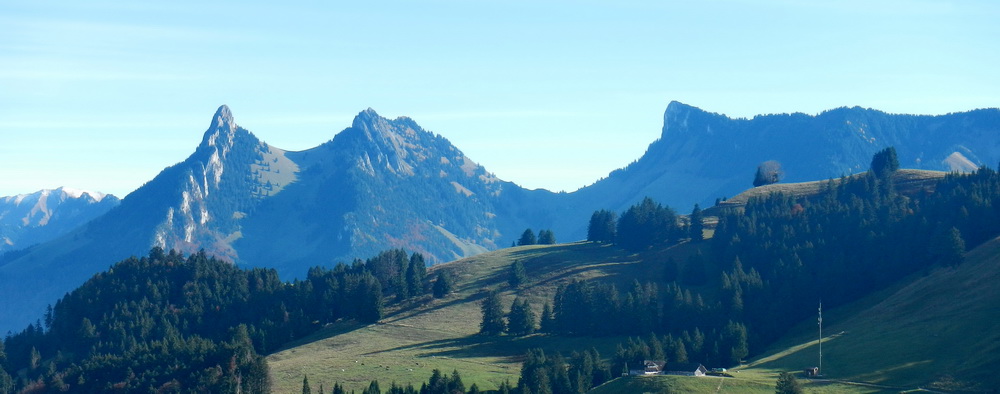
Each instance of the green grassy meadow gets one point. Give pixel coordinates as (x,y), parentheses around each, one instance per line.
(414,339)
(935,330)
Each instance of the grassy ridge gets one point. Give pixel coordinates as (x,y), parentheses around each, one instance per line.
(416,338)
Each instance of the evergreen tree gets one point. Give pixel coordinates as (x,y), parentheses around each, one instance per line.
(521,318)
(455,384)
(517,274)
(493,323)
(696,230)
(787,384)
(646,224)
(305,385)
(338,389)
(416,270)
(527,238)
(884,163)
(372,388)
(602,227)
(442,285)
(948,247)
(546,237)
(546,322)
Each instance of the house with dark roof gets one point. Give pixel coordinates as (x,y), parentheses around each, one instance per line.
(685,369)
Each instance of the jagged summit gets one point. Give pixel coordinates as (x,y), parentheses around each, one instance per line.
(222,130)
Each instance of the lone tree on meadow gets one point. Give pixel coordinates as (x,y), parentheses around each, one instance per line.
(442,285)
(768,172)
(787,384)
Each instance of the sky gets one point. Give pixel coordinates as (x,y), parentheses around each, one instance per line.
(103,95)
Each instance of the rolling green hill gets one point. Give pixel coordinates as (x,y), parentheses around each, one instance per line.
(414,339)
(936,329)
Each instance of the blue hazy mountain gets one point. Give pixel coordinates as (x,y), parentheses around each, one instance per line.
(387,183)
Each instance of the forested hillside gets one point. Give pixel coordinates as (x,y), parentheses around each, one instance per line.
(193,324)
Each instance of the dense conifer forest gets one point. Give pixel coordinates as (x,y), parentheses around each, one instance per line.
(165,322)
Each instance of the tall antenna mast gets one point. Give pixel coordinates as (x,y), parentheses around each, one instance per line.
(820,337)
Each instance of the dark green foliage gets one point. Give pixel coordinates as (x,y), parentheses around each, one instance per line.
(884,163)
(521,320)
(767,173)
(603,227)
(948,247)
(556,375)
(492,323)
(646,224)
(787,384)
(372,388)
(166,322)
(442,285)
(338,389)
(546,237)
(6,382)
(697,227)
(546,322)
(527,238)
(517,274)
(305,385)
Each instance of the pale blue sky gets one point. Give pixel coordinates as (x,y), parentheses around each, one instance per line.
(104,95)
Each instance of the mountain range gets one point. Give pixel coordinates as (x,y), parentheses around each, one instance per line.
(387,183)
(29,219)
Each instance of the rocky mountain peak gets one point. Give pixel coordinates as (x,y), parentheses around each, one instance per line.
(676,117)
(222,131)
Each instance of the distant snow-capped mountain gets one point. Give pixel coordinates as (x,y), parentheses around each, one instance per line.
(28,219)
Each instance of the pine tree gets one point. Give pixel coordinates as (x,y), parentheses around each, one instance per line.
(527,238)
(521,318)
(787,384)
(546,237)
(442,285)
(517,274)
(493,323)
(372,388)
(884,163)
(546,321)
(696,230)
(948,248)
(602,227)
(305,385)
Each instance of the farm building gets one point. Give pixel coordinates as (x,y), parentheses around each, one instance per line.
(686,369)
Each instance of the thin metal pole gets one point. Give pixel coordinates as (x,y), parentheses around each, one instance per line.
(820,338)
